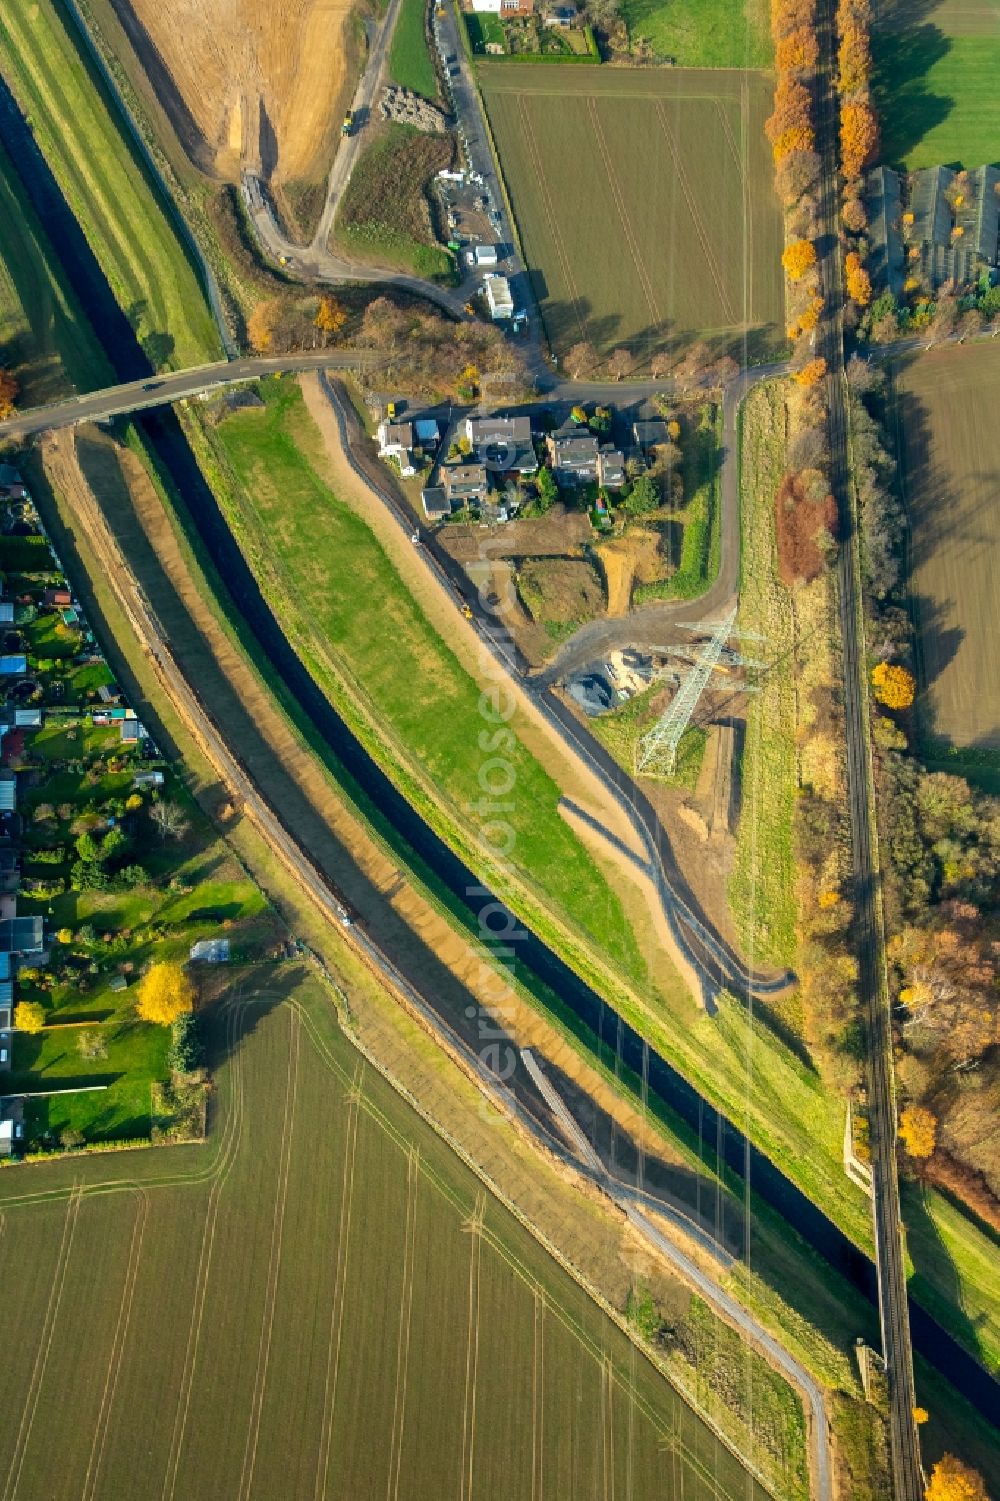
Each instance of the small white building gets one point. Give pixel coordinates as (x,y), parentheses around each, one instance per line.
(498,298)
(492,6)
(6,1138)
(395,440)
(486,255)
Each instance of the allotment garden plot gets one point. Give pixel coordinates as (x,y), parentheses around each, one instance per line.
(644,202)
(950,449)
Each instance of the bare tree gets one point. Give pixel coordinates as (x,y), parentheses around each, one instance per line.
(170,819)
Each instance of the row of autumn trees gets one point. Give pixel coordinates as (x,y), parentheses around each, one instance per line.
(806,514)
(941,838)
(858,141)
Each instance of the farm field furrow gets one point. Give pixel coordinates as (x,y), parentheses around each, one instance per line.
(950,452)
(127,225)
(166,1294)
(679,238)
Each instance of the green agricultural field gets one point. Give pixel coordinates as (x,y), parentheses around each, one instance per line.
(702,517)
(319,1302)
(410,63)
(644,203)
(702,33)
(43,339)
(127,225)
(936,73)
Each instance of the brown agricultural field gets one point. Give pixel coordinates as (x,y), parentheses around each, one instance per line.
(321,1301)
(243,82)
(949,445)
(644,202)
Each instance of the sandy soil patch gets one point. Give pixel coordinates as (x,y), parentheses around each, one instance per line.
(258,80)
(560,533)
(635,558)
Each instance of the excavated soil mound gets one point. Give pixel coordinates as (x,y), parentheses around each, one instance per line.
(245,82)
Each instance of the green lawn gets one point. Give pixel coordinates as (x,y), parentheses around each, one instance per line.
(127,225)
(702,33)
(410,63)
(936,84)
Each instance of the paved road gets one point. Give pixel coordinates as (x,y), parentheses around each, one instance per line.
(869,924)
(164,390)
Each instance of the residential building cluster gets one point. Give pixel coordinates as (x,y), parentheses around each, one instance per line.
(935,226)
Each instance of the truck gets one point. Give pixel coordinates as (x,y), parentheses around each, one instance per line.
(348,124)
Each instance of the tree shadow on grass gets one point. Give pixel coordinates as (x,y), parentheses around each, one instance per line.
(907,109)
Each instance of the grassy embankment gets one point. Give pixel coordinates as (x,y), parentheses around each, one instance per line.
(329,582)
(384,215)
(762,889)
(129,228)
(702,33)
(41,339)
(282,1064)
(410,62)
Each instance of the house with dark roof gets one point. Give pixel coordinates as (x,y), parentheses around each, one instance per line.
(395,441)
(611,468)
(649,434)
(574,455)
(435,502)
(464,484)
(503,444)
(21,935)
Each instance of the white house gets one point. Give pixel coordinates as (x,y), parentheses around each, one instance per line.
(501,304)
(395,440)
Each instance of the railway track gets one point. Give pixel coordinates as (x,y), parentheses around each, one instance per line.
(869,932)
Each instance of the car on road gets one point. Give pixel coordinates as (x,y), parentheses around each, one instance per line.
(152,385)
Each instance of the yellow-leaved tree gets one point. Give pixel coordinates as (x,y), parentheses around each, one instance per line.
(165,993)
(918,1131)
(951,1480)
(9,392)
(29,1016)
(330,316)
(894,686)
(261,325)
(798,258)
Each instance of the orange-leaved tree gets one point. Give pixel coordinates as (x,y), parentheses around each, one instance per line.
(798,51)
(261,325)
(165,993)
(798,258)
(858,136)
(331,315)
(952,1480)
(10,390)
(858,281)
(918,1131)
(812,373)
(792,107)
(894,686)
